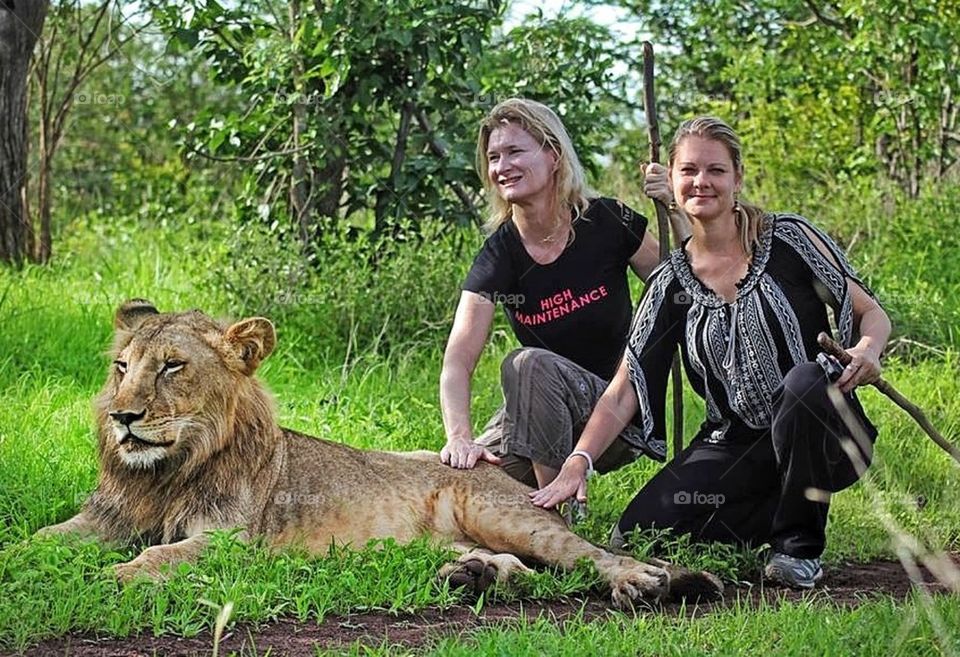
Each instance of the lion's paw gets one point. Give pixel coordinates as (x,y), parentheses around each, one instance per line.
(137,569)
(639,582)
(477,571)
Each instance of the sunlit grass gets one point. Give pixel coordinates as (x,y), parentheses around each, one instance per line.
(56,326)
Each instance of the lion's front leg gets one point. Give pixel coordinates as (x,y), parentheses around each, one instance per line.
(149,563)
(82,525)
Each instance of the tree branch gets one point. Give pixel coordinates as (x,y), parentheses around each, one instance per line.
(252,158)
(438,149)
(829,21)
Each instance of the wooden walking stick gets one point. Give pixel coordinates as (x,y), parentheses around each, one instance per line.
(830,346)
(663,228)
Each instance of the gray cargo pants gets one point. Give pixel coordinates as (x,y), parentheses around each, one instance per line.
(547,402)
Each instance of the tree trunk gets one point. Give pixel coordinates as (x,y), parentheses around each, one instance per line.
(301,193)
(20,25)
(388,197)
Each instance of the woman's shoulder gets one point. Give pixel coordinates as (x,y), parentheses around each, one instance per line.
(610,209)
(500,238)
(796,231)
(787,220)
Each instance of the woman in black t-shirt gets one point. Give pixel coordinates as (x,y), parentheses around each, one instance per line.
(556,259)
(745,298)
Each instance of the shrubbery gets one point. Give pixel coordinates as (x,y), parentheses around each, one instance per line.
(356,292)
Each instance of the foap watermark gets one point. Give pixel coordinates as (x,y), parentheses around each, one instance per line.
(503,499)
(482,99)
(697,498)
(296,498)
(92,98)
(512,300)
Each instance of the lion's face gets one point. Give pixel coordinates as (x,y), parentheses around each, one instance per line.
(173,382)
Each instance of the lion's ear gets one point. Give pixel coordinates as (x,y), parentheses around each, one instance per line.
(252,340)
(131,314)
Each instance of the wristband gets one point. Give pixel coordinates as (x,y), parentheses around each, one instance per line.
(585,455)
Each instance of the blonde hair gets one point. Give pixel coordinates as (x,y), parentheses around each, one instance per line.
(540,122)
(750,218)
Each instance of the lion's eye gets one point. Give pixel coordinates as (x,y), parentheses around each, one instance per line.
(172,366)
(121,366)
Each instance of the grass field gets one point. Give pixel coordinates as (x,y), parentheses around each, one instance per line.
(56,324)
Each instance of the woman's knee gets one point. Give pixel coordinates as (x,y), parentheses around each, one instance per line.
(655,510)
(522,363)
(803,393)
(805,380)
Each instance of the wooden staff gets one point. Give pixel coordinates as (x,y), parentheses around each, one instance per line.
(830,346)
(663,228)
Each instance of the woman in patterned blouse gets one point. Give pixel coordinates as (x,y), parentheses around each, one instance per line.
(745,298)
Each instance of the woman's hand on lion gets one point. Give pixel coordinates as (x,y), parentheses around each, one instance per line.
(570,482)
(464,454)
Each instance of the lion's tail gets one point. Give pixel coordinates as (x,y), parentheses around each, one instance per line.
(694,585)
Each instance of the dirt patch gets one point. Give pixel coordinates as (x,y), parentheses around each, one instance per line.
(847,584)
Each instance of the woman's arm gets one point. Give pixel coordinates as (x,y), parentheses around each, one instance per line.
(872,322)
(616,407)
(471,327)
(646,258)
(874,329)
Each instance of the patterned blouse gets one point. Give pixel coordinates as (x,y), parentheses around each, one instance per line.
(736,354)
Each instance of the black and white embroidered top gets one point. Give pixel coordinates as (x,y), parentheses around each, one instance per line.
(736,354)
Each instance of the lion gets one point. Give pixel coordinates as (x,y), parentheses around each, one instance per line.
(188,443)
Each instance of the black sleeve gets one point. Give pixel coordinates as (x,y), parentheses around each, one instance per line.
(631,225)
(491,274)
(831,271)
(650,348)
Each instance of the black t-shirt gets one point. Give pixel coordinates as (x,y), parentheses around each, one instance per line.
(578,306)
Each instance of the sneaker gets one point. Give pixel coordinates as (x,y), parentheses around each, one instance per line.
(617,539)
(792,571)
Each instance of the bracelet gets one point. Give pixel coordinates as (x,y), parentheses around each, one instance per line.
(586,455)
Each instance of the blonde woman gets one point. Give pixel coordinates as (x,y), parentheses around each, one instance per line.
(745,298)
(556,259)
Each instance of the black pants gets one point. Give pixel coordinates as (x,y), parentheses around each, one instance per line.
(756,492)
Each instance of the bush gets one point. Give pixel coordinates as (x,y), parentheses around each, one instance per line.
(355,293)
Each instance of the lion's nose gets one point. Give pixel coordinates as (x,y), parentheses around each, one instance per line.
(127,417)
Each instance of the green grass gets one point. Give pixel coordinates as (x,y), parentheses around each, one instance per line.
(56,325)
(794,628)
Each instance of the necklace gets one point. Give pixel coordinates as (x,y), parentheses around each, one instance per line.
(553,237)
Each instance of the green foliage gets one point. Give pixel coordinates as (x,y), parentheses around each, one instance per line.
(367,111)
(116,155)
(821,94)
(358,292)
(40,580)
